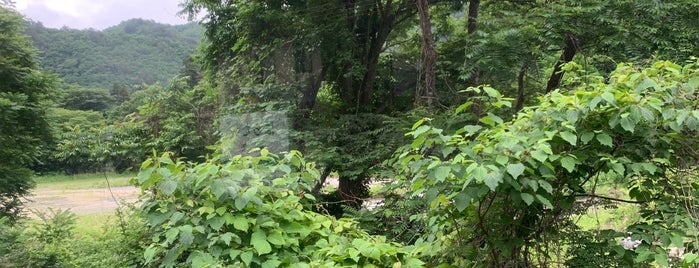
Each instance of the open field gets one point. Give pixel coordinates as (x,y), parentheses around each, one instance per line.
(86,194)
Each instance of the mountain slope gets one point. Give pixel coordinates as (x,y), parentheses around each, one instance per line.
(134,52)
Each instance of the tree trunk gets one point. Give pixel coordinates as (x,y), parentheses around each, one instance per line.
(316,73)
(429,64)
(352,191)
(473,6)
(571,47)
(520,88)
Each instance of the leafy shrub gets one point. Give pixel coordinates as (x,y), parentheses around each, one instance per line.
(499,191)
(252,212)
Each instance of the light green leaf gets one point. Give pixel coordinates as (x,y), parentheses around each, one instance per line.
(515,170)
(226,238)
(276,238)
(420,130)
(690,258)
(662,260)
(240,223)
(587,137)
(627,124)
(441,172)
(544,201)
(258,240)
(216,222)
(246,257)
(545,185)
(568,163)
(171,235)
(502,159)
(609,98)
(572,116)
(540,155)
(168,187)
(492,180)
(605,139)
(471,129)
(186,236)
(462,200)
(527,198)
(569,137)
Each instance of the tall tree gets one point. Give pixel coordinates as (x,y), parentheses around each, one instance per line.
(305,44)
(23,95)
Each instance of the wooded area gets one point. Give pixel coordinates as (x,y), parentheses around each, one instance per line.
(493,126)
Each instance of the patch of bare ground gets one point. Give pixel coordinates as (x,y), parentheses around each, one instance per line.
(81,201)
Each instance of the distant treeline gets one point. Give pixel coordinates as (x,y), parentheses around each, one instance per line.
(134,52)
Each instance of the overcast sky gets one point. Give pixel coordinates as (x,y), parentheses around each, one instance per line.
(98,14)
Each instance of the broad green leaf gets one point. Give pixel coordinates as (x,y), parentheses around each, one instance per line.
(168,187)
(241,202)
(144,175)
(233,253)
(627,124)
(502,159)
(540,155)
(441,172)
(258,240)
(605,139)
(643,256)
(471,129)
(462,200)
(275,238)
(171,235)
(515,170)
(587,137)
(690,258)
(420,130)
(609,98)
(216,222)
(246,257)
(650,167)
(186,236)
(568,163)
(662,260)
(527,198)
(569,137)
(544,201)
(240,223)
(545,185)
(492,180)
(572,116)
(226,238)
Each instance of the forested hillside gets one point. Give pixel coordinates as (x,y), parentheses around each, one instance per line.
(134,52)
(378,133)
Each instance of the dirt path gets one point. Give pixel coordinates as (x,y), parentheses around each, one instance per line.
(82,201)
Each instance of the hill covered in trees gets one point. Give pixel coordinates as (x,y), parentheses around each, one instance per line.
(134,52)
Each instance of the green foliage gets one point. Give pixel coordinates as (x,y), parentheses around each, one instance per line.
(24,91)
(86,99)
(52,242)
(501,188)
(252,212)
(131,53)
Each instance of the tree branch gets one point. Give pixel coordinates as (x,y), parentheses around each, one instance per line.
(611,198)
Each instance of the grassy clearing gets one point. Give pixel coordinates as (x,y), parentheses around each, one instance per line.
(616,216)
(92,224)
(83,181)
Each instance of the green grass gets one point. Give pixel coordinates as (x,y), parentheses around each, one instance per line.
(83,181)
(92,224)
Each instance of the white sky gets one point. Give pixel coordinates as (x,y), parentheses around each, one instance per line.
(98,14)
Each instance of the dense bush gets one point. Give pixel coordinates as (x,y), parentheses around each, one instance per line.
(51,242)
(252,212)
